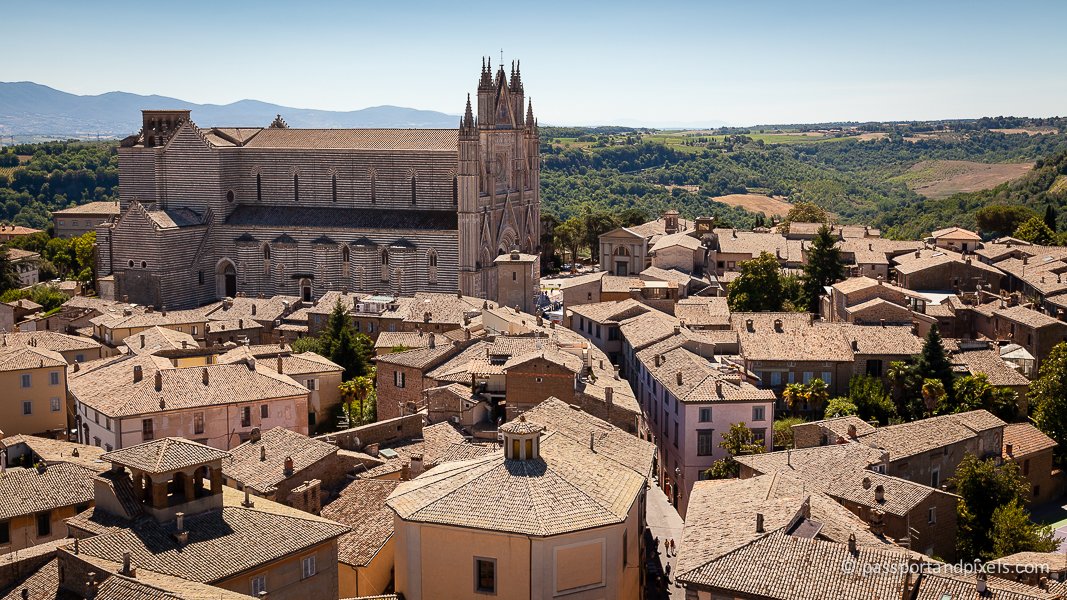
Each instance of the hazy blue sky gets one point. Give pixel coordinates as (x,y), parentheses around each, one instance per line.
(657,62)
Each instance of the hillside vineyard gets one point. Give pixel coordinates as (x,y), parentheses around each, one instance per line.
(213,212)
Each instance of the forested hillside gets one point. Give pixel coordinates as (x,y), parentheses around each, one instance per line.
(38,178)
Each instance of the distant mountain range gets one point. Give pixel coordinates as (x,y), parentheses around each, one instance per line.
(32,112)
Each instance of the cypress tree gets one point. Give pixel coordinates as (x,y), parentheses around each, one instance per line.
(824,267)
(933,362)
(1050,216)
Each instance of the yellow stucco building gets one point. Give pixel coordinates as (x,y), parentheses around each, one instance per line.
(33,391)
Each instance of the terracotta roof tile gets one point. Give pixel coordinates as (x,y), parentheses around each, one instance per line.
(361,506)
(260,465)
(164,455)
(24,491)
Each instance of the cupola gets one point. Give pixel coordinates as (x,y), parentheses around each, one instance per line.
(522,439)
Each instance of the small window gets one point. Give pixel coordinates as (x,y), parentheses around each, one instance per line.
(514,276)
(307,567)
(44,524)
(485,575)
(200,277)
(79,358)
(53,378)
(229,196)
(704,442)
(54,404)
(5,532)
(264,411)
(931,515)
(27,380)
(705,415)
(398,379)
(130,264)
(373,188)
(266,252)
(259,585)
(758,413)
(246,416)
(146,429)
(935,477)
(144,264)
(198,423)
(195,330)
(27,407)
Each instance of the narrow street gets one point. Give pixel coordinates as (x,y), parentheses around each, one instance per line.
(664,523)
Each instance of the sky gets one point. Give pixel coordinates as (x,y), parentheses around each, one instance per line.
(656,63)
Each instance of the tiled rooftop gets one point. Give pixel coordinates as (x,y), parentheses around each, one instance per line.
(260,464)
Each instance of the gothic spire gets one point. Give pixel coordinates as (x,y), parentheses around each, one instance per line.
(468,117)
(530,122)
(486,82)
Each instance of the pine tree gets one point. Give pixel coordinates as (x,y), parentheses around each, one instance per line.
(824,267)
(933,362)
(1050,216)
(344,345)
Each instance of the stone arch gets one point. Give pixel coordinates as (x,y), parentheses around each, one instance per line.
(225,278)
(508,239)
(306,290)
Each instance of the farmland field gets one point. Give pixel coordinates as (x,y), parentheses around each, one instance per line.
(768,205)
(943,178)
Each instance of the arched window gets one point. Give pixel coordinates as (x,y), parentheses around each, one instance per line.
(130,264)
(296,187)
(259,188)
(455,190)
(373,188)
(334,183)
(346,254)
(385,256)
(266,252)
(385,264)
(413,190)
(431,266)
(144,265)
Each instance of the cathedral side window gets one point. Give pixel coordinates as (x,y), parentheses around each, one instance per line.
(373,188)
(385,264)
(334,184)
(296,187)
(455,190)
(413,197)
(266,252)
(431,266)
(345,260)
(259,188)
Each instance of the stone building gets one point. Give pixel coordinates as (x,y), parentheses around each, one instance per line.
(77,220)
(208,212)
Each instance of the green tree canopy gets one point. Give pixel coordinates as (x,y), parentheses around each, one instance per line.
(9,273)
(1035,231)
(840,407)
(871,400)
(990,493)
(758,287)
(1002,219)
(783,431)
(933,362)
(973,392)
(1050,217)
(1048,396)
(824,267)
(737,441)
(804,212)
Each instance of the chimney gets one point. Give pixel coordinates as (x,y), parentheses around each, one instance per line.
(253,309)
(288,470)
(77,367)
(262,453)
(855,346)
(718,387)
(882,323)
(432,342)
(759,522)
(159,382)
(749,326)
(142,340)
(852,549)
(205,375)
(592,442)
(778,325)
(657,360)
(405,472)
(240,323)
(280,369)
(1026,259)
(679,375)
(615,369)
(138,373)
(181,520)
(609,397)
(1008,449)
(127,569)
(248,499)
(879,494)
(851,431)
(981,583)
(163,310)
(677,329)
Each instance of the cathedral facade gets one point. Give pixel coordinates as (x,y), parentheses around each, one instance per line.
(207,213)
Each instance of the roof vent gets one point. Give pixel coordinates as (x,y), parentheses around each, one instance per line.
(288,465)
(262,453)
(866,483)
(879,494)
(159,382)
(138,373)
(679,377)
